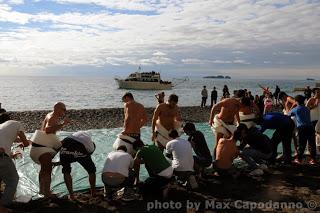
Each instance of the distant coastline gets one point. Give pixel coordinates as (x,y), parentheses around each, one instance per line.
(218,77)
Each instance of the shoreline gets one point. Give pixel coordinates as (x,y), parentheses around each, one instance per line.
(103,118)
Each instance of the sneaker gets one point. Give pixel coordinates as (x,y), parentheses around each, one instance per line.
(312,162)
(256,172)
(297,161)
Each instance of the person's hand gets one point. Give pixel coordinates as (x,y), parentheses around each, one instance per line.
(25,144)
(210,123)
(66,121)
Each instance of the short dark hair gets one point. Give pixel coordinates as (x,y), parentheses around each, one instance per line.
(173,134)
(245,101)
(240,93)
(300,99)
(282,94)
(189,127)
(4,117)
(240,128)
(123,148)
(129,95)
(173,97)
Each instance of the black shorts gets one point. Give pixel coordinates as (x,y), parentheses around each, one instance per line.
(73,151)
(202,162)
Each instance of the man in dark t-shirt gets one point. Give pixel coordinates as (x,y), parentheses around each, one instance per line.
(259,150)
(78,148)
(203,157)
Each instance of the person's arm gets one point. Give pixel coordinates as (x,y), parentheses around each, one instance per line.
(178,114)
(136,168)
(126,116)
(293,102)
(53,126)
(144,117)
(92,181)
(23,139)
(154,120)
(256,108)
(213,110)
(311,103)
(292,112)
(168,151)
(237,118)
(243,143)
(68,181)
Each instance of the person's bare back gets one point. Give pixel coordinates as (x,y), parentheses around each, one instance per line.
(134,117)
(229,110)
(168,115)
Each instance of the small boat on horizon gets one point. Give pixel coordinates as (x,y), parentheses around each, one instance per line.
(310,79)
(144,81)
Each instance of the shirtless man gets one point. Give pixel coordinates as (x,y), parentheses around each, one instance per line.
(134,116)
(50,125)
(313,103)
(160,97)
(228,110)
(168,114)
(288,102)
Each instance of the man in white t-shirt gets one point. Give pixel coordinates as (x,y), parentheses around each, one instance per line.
(10,131)
(117,170)
(182,157)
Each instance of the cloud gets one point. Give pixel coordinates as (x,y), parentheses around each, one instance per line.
(163,33)
(205,61)
(16,2)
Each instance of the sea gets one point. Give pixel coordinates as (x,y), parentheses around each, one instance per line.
(40,93)
(19,93)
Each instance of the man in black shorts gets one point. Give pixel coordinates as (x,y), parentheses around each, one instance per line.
(78,148)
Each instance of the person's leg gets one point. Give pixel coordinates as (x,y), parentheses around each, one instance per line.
(312,142)
(302,142)
(246,154)
(45,174)
(218,136)
(286,143)
(10,177)
(89,166)
(275,140)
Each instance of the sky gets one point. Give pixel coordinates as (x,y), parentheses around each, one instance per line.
(242,38)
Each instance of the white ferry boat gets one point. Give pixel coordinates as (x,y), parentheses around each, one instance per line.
(144,81)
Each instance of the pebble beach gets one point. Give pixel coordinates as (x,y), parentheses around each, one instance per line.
(84,119)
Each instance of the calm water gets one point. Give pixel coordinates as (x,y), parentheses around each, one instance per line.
(38,93)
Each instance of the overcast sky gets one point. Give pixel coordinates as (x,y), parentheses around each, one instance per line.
(241,38)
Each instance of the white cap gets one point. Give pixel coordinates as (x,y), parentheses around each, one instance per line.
(84,138)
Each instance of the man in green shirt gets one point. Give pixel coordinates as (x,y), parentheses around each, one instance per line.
(159,169)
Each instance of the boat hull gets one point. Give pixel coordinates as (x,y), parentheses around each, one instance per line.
(139,85)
